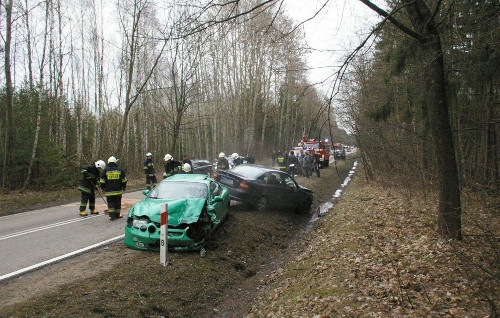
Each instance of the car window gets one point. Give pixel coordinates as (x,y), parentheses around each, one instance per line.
(178,190)
(272,178)
(290,183)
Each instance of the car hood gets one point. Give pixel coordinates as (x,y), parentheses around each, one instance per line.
(305,189)
(179,210)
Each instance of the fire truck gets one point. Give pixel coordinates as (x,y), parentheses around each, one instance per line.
(320,147)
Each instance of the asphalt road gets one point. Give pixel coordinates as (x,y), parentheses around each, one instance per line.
(39,236)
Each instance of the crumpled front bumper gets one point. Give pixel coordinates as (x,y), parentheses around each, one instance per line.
(144,240)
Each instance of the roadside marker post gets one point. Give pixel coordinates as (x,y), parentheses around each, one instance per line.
(164,234)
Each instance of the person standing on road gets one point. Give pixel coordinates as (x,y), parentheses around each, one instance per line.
(88,185)
(114,182)
(222,163)
(292,160)
(149,171)
(171,166)
(308,162)
(281,162)
(273,157)
(316,162)
(301,163)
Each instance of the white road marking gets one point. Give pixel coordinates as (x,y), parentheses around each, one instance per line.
(45,227)
(60,258)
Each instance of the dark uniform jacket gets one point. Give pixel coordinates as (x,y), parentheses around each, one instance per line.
(222,164)
(238,161)
(149,169)
(172,167)
(281,161)
(113,180)
(292,159)
(90,175)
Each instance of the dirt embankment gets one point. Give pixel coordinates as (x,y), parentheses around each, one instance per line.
(117,281)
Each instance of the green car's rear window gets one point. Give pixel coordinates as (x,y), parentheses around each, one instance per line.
(178,190)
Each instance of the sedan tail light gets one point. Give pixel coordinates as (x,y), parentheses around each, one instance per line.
(244,186)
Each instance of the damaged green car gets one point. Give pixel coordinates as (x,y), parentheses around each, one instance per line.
(197,205)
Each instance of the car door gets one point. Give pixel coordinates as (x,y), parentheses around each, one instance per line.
(290,195)
(272,188)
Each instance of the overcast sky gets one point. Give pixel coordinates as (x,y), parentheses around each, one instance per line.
(336,30)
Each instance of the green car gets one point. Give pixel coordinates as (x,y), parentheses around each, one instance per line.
(197,205)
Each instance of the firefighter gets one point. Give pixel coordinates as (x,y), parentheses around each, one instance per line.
(171,166)
(149,171)
(250,159)
(237,160)
(292,160)
(186,168)
(113,182)
(281,162)
(185,159)
(222,163)
(90,175)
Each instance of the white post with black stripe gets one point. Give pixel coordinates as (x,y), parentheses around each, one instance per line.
(164,234)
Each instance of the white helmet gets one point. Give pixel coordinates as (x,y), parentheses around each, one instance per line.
(100,164)
(111,159)
(149,154)
(186,167)
(168,157)
(222,155)
(235,156)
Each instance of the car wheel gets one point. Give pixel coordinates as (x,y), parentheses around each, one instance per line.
(261,204)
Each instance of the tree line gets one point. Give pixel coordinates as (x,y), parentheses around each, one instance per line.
(89,79)
(423,105)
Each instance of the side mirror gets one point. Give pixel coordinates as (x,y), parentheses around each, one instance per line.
(217,199)
(145,192)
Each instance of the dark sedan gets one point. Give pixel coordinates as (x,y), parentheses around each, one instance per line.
(265,188)
(201,166)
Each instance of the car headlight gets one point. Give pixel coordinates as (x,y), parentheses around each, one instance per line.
(138,223)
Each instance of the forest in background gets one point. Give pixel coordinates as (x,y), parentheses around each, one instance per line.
(199,79)
(90,79)
(384,97)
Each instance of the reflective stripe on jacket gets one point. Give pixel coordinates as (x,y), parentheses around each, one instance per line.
(113,180)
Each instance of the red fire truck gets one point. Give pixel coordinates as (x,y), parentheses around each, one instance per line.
(320,147)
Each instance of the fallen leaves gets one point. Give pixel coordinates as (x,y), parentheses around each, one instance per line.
(376,257)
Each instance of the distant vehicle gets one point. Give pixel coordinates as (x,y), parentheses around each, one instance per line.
(197,205)
(320,147)
(265,188)
(202,166)
(340,154)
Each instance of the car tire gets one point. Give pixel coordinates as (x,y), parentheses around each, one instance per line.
(261,204)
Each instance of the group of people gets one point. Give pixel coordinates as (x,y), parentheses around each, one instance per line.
(110,178)
(304,164)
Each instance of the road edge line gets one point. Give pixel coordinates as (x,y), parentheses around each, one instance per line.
(31,268)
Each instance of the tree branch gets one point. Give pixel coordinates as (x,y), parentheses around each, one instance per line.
(393,20)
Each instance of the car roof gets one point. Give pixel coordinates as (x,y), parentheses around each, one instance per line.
(200,178)
(259,167)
